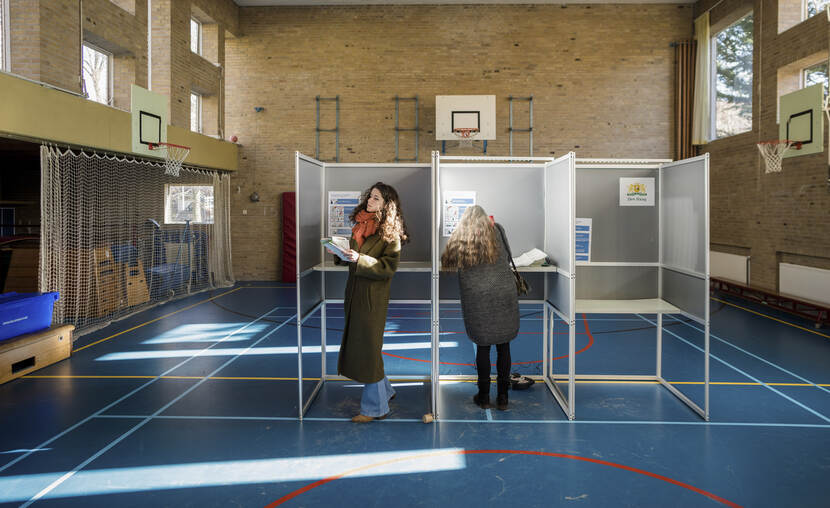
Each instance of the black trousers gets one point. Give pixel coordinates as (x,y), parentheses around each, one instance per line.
(502,368)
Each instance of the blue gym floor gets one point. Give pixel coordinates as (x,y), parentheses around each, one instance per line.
(194,403)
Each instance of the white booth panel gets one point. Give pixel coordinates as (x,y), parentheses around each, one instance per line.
(309,177)
(310,290)
(514,196)
(684,209)
(618,233)
(686,292)
(616,282)
(405,285)
(559,212)
(413,184)
(559,293)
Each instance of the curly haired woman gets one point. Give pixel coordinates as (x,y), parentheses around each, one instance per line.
(489,301)
(376,240)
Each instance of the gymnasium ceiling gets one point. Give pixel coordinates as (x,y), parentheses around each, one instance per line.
(261,3)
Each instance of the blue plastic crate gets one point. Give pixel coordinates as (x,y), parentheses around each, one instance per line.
(22,313)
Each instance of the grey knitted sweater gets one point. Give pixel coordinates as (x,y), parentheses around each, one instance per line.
(489,300)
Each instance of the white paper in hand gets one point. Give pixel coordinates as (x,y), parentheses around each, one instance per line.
(339,245)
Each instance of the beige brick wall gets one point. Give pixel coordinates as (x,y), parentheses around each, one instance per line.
(45,46)
(601,76)
(779,216)
(24,32)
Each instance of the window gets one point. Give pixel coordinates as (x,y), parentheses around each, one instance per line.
(813,7)
(97,67)
(192,203)
(195,36)
(195,112)
(5,63)
(732,74)
(815,74)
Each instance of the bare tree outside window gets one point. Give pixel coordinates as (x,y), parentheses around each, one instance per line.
(96,68)
(195,36)
(815,74)
(195,112)
(733,78)
(815,6)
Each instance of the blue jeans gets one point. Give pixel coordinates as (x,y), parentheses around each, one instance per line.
(375,399)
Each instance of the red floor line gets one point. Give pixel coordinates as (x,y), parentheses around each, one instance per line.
(330,479)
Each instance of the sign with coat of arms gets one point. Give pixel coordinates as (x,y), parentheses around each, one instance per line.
(637,191)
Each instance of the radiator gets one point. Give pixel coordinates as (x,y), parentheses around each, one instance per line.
(729,266)
(804,282)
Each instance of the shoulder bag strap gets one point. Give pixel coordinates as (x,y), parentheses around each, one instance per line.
(507,246)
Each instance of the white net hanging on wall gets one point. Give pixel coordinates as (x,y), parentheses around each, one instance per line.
(119,235)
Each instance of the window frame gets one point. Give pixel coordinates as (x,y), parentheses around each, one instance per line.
(715,30)
(110,73)
(199,124)
(199,36)
(5,26)
(167,211)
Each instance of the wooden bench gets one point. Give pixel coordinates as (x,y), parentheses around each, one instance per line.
(27,353)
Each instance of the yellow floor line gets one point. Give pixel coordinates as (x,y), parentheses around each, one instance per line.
(158,319)
(581,381)
(270,287)
(770,317)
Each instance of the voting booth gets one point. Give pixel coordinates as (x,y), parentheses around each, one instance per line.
(621,237)
(642,249)
(325,195)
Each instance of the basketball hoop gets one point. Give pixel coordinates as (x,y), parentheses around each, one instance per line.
(465,135)
(773,152)
(173,155)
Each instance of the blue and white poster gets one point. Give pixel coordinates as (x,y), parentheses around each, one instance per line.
(455,202)
(341,206)
(583,240)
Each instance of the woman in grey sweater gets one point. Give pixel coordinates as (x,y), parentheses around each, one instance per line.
(489,300)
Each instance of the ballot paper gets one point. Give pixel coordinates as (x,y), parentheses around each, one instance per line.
(337,244)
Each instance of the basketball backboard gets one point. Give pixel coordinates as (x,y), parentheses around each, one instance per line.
(149,111)
(802,120)
(465,112)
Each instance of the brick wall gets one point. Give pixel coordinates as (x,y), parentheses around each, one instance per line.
(45,46)
(601,76)
(778,216)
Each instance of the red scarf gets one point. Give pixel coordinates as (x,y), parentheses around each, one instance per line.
(366,226)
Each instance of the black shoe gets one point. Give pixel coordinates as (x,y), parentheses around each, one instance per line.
(482,401)
(501,402)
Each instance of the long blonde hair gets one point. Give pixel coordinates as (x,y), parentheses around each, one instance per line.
(472,243)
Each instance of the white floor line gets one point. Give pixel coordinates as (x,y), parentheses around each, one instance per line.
(476,420)
(753,378)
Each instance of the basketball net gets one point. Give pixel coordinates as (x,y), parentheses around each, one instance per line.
(465,136)
(174,156)
(773,152)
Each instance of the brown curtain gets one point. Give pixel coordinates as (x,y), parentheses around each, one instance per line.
(684,58)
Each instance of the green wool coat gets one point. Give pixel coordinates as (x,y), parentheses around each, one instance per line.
(365,304)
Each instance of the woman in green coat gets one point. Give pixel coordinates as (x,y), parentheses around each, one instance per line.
(376,240)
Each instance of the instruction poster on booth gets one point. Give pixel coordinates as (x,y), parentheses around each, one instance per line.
(583,240)
(455,202)
(636,191)
(341,205)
